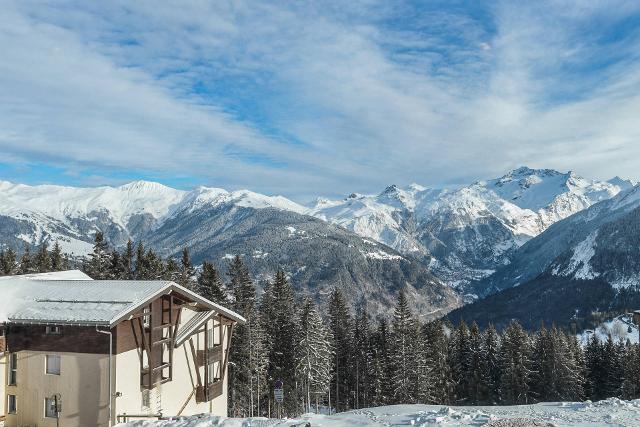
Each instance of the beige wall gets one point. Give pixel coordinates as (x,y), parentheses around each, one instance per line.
(84,388)
(3,376)
(176,397)
(81,385)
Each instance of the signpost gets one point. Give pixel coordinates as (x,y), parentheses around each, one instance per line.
(278,394)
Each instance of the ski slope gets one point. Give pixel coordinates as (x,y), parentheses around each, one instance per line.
(613,412)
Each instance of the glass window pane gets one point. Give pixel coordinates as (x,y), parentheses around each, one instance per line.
(50,407)
(53,364)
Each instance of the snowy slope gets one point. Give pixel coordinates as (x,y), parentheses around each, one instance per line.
(607,412)
(468,232)
(621,328)
(72,215)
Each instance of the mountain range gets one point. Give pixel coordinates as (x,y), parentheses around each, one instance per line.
(438,243)
(587,263)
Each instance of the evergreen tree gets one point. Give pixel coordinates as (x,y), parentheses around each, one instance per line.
(9,265)
(478,380)
(382,385)
(441,383)
(460,361)
(116,268)
(248,357)
(42,260)
(631,382)
(340,326)
(98,266)
(594,361)
(362,358)
(26,262)
(283,331)
(492,350)
(209,285)
(171,270)
(314,355)
(57,258)
(128,261)
(515,366)
(403,350)
(187,271)
(141,271)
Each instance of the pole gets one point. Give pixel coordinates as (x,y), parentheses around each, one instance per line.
(110,358)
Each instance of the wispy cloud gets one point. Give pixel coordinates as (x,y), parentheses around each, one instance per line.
(303,98)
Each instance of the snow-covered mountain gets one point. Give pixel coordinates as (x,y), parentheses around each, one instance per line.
(270,232)
(72,215)
(587,263)
(469,232)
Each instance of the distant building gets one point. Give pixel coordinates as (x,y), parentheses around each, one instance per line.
(82,352)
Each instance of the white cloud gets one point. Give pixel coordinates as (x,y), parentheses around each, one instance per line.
(113,84)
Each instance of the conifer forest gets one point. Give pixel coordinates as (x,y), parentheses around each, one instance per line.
(335,357)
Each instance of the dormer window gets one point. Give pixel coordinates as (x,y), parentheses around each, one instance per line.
(53,330)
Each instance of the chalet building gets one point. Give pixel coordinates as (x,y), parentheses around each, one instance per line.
(82,352)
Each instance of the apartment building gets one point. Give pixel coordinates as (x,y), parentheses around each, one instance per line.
(82,352)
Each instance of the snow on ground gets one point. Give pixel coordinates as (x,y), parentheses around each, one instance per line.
(620,328)
(613,412)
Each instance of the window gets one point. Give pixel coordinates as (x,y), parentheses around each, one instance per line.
(52,406)
(146,399)
(146,319)
(12,404)
(13,368)
(54,330)
(52,364)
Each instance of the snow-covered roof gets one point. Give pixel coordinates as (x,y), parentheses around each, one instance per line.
(100,302)
(54,275)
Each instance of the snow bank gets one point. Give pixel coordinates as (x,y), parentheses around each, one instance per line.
(607,412)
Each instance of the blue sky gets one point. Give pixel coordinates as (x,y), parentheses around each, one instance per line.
(316,98)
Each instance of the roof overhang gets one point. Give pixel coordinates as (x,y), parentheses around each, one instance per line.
(170,288)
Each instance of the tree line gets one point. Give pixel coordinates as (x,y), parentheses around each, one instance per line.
(336,356)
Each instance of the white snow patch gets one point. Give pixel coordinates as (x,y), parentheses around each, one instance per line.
(560,414)
(621,328)
(579,264)
(381,255)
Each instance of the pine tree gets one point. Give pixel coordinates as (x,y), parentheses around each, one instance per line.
(283,331)
(171,270)
(631,382)
(249,354)
(187,271)
(460,361)
(9,265)
(239,277)
(141,271)
(595,369)
(315,355)
(340,326)
(57,258)
(441,383)
(362,358)
(403,350)
(116,268)
(26,262)
(209,285)
(42,260)
(492,350)
(478,382)
(382,386)
(128,261)
(515,366)
(98,266)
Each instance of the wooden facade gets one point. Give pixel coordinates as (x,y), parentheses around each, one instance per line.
(74,339)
